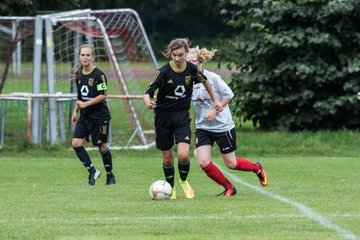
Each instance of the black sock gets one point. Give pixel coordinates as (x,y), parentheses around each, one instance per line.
(184,169)
(169,173)
(107,160)
(84,158)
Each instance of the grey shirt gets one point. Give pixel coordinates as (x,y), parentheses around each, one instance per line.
(202,104)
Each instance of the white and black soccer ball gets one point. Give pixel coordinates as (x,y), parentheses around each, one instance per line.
(160,190)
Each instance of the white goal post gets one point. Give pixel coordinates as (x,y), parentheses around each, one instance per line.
(123,52)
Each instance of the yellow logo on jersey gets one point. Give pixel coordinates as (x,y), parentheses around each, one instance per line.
(170,81)
(91,82)
(187,80)
(187,138)
(103,130)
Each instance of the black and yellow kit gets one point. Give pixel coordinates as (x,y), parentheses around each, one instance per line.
(174,88)
(172,120)
(95,119)
(88,87)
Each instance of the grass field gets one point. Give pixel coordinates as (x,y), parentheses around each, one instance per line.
(313,193)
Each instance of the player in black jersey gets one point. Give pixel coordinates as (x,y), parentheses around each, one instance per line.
(94,117)
(174,82)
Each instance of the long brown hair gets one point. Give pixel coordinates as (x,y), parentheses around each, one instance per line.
(176,44)
(76,72)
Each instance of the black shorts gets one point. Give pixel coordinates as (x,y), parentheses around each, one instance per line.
(225,140)
(170,126)
(99,131)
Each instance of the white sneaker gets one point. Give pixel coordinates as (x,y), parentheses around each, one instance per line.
(93,177)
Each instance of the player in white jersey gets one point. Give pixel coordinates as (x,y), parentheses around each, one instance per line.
(212,126)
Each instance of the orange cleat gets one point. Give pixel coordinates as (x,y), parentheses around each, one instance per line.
(228,192)
(263,178)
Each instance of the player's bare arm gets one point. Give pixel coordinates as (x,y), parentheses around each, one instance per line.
(74,115)
(95,100)
(210,115)
(148,102)
(217,105)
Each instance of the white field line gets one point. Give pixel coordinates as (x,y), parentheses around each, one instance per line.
(159,218)
(309,213)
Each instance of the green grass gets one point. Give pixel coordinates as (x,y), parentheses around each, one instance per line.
(44,193)
(312,194)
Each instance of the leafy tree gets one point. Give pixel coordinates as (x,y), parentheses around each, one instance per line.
(33,7)
(164,20)
(298,62)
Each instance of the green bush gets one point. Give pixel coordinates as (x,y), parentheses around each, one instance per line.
(298,63)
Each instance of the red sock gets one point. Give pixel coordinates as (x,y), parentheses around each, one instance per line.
(242,164)
(215,174)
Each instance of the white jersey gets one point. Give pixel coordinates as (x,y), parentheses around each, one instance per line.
(202,103)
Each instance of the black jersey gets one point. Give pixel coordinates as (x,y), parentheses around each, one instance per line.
(90,86)
(175,88)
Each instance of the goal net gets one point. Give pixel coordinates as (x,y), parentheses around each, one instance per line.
(16,50)
(123,53)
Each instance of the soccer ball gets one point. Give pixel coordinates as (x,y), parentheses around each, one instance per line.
(160,190)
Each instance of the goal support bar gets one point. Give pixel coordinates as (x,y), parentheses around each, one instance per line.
(57,97)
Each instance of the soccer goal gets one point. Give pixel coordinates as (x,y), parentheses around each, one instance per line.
(123,52)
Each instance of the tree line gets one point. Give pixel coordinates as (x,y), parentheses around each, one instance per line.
(298,62)
(163,20)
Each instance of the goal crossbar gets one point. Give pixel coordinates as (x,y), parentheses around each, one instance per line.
(62,95)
